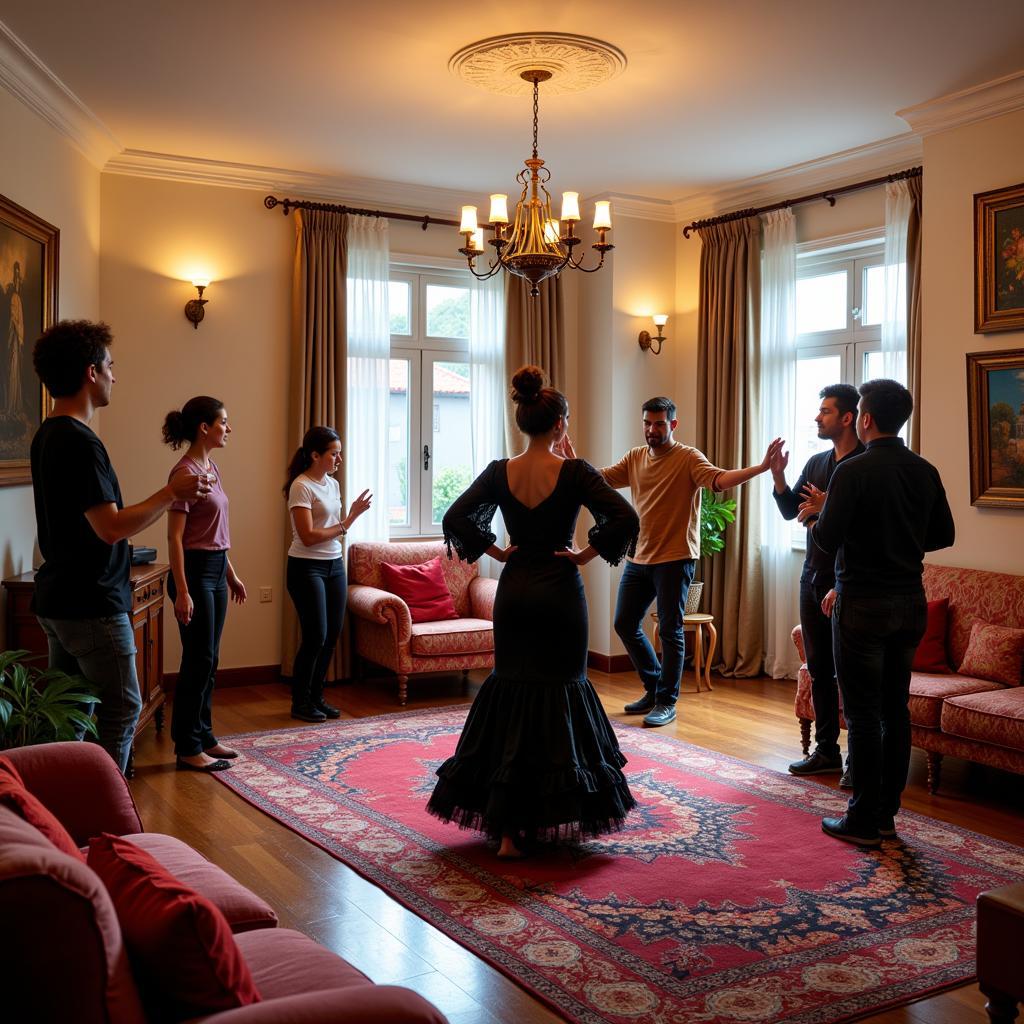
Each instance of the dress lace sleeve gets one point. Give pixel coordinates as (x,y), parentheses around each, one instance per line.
(467,523)
(616,525)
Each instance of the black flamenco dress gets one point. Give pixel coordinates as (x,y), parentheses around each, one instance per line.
(537,756)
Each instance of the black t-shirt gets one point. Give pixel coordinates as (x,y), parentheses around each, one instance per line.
(81,577)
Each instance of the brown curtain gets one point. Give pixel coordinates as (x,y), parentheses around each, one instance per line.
(534,333)
(914,309)
(318,364)
(728,368)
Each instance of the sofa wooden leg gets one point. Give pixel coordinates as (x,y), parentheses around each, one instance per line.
(403,690)
(1001,1008)
(805,735)
(934,771)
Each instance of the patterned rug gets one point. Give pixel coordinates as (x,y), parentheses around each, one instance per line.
(721,901)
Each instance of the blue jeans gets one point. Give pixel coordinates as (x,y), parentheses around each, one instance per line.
(102,650)
(192,717)
(668,583)
(318,590)
(874,639)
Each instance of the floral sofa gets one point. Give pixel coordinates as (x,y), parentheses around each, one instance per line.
(966,716)
(382,628)
(67,934)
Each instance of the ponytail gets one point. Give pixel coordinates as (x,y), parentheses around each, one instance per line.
(316,439)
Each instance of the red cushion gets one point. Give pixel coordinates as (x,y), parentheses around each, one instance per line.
(422,588)
(995,653)
(14,795)
(931,651)
(182,950)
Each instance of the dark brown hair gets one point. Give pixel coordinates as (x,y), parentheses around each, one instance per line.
(66,350)
(538,407)
(316,439)
(889,403)
(182,425)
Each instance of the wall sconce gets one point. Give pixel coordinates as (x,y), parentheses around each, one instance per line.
(647,342)
(194,311)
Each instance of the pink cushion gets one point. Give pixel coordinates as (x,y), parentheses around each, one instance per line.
(244,910)
(452,636)
(996,717)
(422,588)
(14,795)
(996,653)
(928,692)
(931,651)
(182,949)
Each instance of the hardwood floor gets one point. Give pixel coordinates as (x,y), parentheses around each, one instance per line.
(314,893)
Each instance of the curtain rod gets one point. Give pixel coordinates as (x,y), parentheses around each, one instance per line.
(287,205)
(828,194)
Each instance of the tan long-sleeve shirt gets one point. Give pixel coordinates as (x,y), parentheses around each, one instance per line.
(665,486)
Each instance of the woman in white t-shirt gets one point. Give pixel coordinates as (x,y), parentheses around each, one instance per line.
(316,564)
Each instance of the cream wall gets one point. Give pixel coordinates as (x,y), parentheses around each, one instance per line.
(959,163)
(42,172)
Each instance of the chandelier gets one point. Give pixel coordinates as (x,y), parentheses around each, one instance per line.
(536,245)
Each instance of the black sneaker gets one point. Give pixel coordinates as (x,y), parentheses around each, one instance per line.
(307,713)
(641,706)
(661,714)
(887,826)
(328,710)
(817,764)
(842,828)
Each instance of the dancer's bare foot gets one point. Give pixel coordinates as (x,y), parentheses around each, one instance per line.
(508,849)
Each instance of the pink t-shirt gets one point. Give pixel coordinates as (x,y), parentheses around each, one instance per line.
(206,519)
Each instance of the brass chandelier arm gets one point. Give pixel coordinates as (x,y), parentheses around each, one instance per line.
(578,264)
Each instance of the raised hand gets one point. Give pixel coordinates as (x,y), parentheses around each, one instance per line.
(564,448)
(774,451)
(359,506)
(778,464)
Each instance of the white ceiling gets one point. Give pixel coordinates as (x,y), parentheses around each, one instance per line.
(713,92)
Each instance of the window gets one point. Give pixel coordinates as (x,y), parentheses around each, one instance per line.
(429,453)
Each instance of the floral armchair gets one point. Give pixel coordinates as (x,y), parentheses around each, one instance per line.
(382,628)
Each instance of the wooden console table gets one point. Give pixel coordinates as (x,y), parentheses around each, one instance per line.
(149,584)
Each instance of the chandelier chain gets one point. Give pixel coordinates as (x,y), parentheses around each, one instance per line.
(536,109)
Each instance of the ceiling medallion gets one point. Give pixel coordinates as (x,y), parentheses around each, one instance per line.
(574,62)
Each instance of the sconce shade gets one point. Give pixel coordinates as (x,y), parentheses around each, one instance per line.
(647,342)
(660,319)
(194,311)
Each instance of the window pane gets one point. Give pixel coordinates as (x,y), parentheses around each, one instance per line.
(399,295)
(874,296)
(452,455)
(398,444)
(447,311)
(821,303)
(874,365)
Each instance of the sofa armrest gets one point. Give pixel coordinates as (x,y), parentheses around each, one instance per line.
(380,606)
(80,785)
(356,1004)
(798,640)
(482,591)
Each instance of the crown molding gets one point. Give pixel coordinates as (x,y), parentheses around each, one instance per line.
(641,207)
(978,103)
(372,192)
(832,171)
(29,80)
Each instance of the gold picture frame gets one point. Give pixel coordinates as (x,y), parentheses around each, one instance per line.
(999,260)
(29,249)
(995,416)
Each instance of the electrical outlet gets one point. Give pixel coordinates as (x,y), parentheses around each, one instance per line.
(266,595)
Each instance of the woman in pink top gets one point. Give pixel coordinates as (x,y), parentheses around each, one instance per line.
(201,577)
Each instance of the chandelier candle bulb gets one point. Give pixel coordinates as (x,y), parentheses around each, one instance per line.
(602,214)
(468,221)
(570,206)
(477,243)
(499,209)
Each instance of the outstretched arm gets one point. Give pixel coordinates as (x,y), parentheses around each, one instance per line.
(734,477)
(112,524)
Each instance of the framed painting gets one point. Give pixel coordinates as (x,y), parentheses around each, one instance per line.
(28,305)
(999,260)
(995,413)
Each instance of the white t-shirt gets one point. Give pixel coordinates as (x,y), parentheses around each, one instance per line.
(324,501)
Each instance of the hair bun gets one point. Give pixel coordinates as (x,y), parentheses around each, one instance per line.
(527,384)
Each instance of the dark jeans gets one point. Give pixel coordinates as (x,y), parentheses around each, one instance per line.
(668,583)
(816,627)
(874,639)
(192,718)
(318,590)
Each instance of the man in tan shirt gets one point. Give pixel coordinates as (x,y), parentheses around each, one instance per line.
(664,478)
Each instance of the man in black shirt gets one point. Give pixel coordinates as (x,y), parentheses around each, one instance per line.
(883,511)
(835,421)
(82,594)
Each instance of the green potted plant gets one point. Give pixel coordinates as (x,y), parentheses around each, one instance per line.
(716,513)
(41,705)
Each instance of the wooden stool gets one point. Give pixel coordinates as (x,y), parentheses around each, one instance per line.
(1000,939)
(695,622)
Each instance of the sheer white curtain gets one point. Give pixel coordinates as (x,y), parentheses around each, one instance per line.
(898,207)
(369,352)
(781,568)
(487,387)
